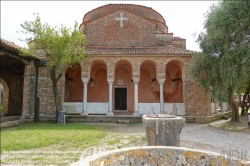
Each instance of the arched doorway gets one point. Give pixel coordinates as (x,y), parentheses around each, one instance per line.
(4,96)
(123,91)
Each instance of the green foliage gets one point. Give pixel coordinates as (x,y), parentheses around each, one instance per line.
(224,63)
(1,109)
(40,135)
(61,46)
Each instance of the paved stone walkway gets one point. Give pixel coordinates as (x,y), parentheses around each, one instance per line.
(195,136)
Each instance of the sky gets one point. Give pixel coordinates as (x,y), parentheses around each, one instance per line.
(183,18)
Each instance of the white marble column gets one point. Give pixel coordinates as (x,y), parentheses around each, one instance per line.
(110,111)
(85,85)
(136,108)
(161,82)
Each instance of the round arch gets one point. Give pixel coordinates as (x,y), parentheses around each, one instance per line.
(5,96)
(95,66)
(173,87)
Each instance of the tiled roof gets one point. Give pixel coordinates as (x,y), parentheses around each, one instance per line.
(164,50)
(4,42)
(11,46)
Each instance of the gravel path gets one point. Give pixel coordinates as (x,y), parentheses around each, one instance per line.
(196,136)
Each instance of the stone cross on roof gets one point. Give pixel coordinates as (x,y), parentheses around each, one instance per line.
(121,19)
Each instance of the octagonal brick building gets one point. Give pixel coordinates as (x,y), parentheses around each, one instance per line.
(133,64)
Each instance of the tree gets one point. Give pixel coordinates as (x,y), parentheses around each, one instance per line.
(223,65)
(60,46)
(245,99)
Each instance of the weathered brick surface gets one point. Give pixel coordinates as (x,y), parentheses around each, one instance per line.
(106,31)
(197,102)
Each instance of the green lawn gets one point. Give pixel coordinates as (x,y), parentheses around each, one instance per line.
(38,135)
(53,144)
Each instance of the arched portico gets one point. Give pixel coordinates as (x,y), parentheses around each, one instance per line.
(173,88)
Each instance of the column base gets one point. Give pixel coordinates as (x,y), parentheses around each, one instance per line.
(136,113)
(85,113)
(110,114)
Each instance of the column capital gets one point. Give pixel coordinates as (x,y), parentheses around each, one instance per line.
(161,81)
(110,80)
(85,80)
(136,80)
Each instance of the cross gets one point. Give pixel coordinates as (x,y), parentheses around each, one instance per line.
(121,19)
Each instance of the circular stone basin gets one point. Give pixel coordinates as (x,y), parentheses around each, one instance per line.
(159,155)
(161,116)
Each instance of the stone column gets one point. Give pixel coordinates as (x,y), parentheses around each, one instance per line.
(110,111)
(28,90)
(85,83)
(136,108)
(161,82)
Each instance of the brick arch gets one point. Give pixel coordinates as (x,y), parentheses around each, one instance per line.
(124,65)
(180,63)
(173,89)
(147,64)
(5,96)
(96,65)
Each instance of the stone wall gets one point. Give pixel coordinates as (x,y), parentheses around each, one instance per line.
(45,91)
(159,155)
(197,102)
(29,90)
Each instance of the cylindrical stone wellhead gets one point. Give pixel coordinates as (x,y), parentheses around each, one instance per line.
(163,131)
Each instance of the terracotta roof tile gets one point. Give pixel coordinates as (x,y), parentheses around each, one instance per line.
(10,45)
(164,50)
(4,42)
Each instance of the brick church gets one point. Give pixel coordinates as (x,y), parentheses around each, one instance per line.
(132,64)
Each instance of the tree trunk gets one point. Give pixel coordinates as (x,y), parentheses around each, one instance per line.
(245,101)
(243,105)
(234,107)
(55,80)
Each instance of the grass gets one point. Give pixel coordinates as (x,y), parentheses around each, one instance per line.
(53,144)
(37,135)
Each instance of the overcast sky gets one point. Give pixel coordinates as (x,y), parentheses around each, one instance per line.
(183,18)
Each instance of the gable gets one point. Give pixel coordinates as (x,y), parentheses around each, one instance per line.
(107,31)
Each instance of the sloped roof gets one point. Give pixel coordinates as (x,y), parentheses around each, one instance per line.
(164,50)
(14,48)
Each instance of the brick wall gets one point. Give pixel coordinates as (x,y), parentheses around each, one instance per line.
(197,102)
(106,31)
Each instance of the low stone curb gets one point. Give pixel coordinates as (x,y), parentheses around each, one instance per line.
(14,123)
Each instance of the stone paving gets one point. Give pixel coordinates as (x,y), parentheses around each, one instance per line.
(195,136)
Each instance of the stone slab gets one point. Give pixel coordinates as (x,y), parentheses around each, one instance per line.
(163,131)
(97,108)
(92,108)
(73,107)
(144,108)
